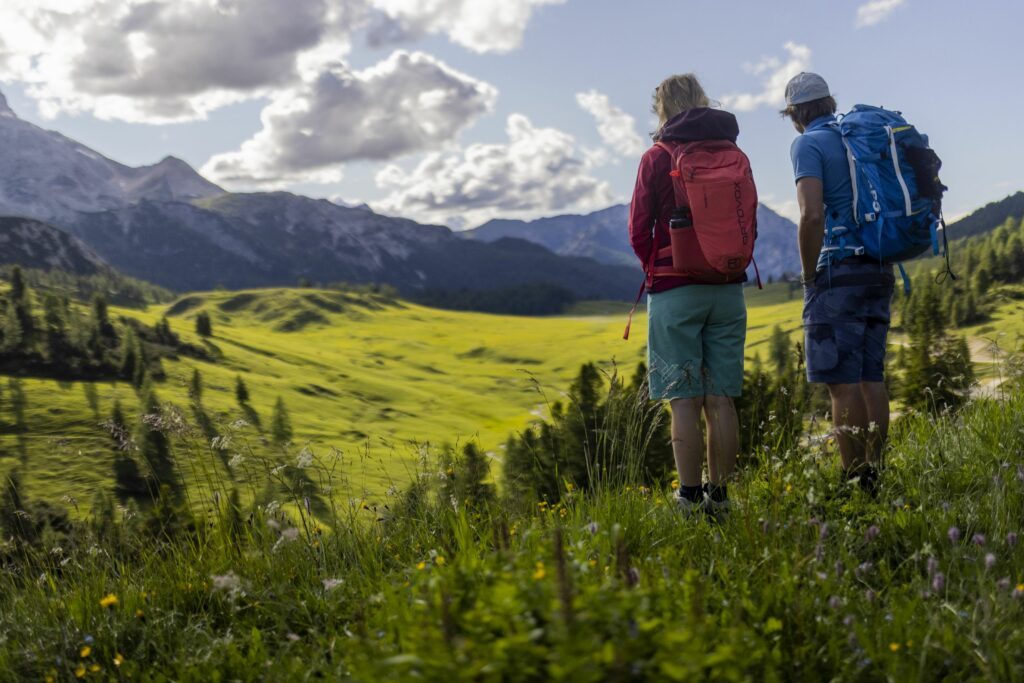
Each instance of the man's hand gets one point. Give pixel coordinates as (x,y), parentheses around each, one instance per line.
(811,231)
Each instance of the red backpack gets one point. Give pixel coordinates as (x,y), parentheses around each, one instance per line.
(714,225)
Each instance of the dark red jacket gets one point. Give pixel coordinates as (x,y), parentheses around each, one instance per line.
(653,200)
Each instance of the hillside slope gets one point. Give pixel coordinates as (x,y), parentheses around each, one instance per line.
(33,244)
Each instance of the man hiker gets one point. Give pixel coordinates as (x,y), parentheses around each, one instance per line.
(846,293)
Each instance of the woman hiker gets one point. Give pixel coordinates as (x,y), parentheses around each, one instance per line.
(696,326)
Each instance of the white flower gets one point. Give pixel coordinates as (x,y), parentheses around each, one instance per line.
(226,582)
(331,584)
(305,459)
(236,460)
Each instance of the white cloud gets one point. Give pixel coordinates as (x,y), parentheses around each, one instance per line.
(158,61)
(774,75)
(410,102)
(875,11)
(616,128)
(787,208)
(480,25)
(537,172)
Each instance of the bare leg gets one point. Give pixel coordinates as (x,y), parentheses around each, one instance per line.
(723,437)
(876,401)
(850,418)
(687,441)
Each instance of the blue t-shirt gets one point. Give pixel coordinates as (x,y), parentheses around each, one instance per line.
(819,153)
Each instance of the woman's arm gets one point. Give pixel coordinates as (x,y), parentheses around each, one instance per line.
(642,210)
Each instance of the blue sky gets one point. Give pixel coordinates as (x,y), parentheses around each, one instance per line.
(456,111)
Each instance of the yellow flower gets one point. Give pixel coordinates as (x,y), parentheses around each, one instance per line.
(569,487)
(421,566)
(85,652)
(118,659)
(675,484)
(789,488)
(1020,587)
(440,560)
(139,614)
(95,668)
(109,601)
(539,573)
(894,647)
(80,671)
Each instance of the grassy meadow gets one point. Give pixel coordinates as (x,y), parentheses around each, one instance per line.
(377,381)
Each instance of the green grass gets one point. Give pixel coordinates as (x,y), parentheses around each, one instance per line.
(373,380)
(802,582)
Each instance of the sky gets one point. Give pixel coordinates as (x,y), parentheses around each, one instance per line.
(459,111)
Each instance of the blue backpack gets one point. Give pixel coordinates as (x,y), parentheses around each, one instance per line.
(897,194)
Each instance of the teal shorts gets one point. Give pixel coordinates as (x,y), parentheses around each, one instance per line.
(695,341)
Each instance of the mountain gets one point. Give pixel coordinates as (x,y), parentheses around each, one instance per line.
(988,217)
(603,236)
(167,224)
(33,244)
(47,176)
(265,239)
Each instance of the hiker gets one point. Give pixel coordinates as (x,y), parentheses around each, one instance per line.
(847,293)
(697,316)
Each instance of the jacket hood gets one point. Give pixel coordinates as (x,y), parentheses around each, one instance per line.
(702,123)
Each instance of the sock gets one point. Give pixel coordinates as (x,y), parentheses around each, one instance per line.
(866,475)
(718,493)
(691,493)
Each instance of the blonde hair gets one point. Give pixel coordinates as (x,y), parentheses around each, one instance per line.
(677,94)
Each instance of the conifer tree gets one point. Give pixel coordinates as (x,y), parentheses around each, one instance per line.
(204,326)
(241,391)
(280,423)
(195,386)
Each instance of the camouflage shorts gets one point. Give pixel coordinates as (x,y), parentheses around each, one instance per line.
(846,323)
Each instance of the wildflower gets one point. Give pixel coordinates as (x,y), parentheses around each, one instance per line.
(421,565)
(1019,590)
(80,671)
(139,614)
(938,582)
(538,572)
(85,652)
(1011,539)
(108,601)
(290,534)
(840,569)
(954,534)
(228,582)
(933,566)
(1003,584)
(439,560)
(869,595)
(872,533)
(895,647)
(331,584)
(823,532)
(835,602)
(304,460)
(990,560)
(95,668)
(675,484)
(863,568)
(978,539)
(592,528)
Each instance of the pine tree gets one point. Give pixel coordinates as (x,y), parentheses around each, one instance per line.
(779,348)
(129,356)
(154,445)
(204,326)
(14,519)
(195,386)
(281,424)
(241,391)
(57,345)
(471,478)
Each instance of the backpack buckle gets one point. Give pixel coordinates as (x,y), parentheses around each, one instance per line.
(870,217)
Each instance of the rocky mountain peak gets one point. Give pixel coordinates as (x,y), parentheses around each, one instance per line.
(5,109)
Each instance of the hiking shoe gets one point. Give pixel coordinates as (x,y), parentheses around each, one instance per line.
(719,509)
(687,506)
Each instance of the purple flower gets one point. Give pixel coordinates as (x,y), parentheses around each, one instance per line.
(933,566)
(848,620)
(1004,583)
(869,595)
(840,569)
(938,582)
(978,539)
(863,568)
(990,560)
(835,602)
(872,533)
(592,527)
(823,532)
(1011,539)
(954,534)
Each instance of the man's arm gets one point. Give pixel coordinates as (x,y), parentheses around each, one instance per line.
(811,232)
